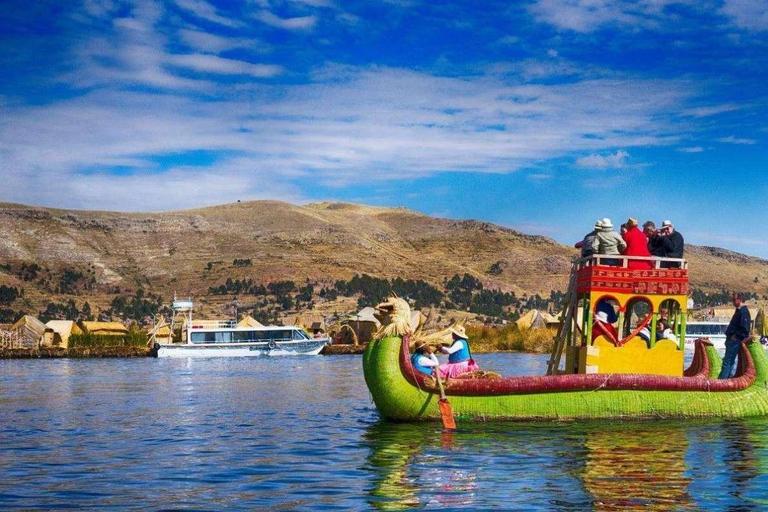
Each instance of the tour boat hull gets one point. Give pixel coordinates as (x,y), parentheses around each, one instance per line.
(401,394)
(288,348)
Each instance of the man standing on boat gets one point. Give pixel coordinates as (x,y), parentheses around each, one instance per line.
(655,242)
(736,333)
(674,245)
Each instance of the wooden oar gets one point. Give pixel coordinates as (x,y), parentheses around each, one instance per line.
(445,407)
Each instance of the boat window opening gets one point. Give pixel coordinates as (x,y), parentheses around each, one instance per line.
(281,335)
(298,334)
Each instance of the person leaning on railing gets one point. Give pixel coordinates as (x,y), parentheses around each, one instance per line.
(608,242)
(637,245)
(736,334)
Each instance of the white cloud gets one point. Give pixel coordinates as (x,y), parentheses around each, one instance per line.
(747,14)
(552,52)
(211,43)
(206,11)
(590,15)
(213,64)
(731,139)
(355,126)
(617,160)
(693,149)
(297,23)
(712,110)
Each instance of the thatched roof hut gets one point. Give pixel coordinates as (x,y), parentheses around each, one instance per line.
(359,327)
(535,319)
(29,331)
(313,323)
(104,328)
(249,321)
(161,333)
(57,333)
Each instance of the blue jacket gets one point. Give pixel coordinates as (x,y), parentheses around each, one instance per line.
(415,362)
(460,355)
(740,324)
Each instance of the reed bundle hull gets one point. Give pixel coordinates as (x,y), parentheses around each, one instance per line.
(401,395)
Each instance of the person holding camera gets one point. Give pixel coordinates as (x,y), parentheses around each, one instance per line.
(655,241)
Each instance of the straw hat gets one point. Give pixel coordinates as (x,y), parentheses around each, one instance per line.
(606,223)
(459,331)
(419,345)
(631,222)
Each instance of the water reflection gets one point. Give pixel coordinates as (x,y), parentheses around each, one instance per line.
(639,465)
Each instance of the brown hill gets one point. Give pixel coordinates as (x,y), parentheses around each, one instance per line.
(189,251)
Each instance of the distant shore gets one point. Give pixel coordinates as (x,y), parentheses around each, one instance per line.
(75,353)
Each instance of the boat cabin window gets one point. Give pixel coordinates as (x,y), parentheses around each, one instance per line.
(298,334)
(211,337)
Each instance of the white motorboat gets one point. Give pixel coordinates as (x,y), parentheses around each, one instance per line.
(715,331)
(227,339)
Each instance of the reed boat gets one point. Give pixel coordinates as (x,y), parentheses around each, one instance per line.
(605,375)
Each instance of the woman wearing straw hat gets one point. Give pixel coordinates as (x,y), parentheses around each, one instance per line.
(423,358)
(459,356)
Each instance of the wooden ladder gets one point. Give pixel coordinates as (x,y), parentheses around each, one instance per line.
(566,318)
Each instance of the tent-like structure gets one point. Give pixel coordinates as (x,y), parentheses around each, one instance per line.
(160,333)
(313,323)
(104,328)
(535,319)
(359,327)
(29,331)
(57,333)
(249,321)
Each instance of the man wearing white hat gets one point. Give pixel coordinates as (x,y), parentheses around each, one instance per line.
(674,245)
(608,241)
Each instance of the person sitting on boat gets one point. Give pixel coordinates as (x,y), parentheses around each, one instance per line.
(603,327)
(459,356)
(608,241)
(663,332)
(586,243)
(736,333)
(637,245)
(423,358)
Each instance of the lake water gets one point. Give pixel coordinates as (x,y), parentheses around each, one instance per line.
(303,434)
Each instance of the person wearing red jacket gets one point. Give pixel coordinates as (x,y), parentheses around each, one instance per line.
(637,245)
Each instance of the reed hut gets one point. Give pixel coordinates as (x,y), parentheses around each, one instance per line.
(535,319)
(249,321)
(104,328)
(160,333)
(57,333)
(28,331)
(359,327)
(313,323)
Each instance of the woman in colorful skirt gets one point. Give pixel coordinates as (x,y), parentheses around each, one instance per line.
(459,357)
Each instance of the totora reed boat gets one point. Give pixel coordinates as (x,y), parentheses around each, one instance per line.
(615,368)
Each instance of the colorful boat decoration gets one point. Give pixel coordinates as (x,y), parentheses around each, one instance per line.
(603,376)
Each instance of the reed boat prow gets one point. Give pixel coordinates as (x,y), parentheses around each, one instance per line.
(401,393)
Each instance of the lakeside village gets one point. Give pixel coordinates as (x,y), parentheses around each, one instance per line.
(138,321)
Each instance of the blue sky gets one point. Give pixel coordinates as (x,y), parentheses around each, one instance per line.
(542,116)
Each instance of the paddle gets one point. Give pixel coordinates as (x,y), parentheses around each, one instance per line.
(445,407)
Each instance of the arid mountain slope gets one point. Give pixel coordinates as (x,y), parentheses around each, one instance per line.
(188,251)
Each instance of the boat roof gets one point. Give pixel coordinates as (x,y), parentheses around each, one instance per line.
(262,328)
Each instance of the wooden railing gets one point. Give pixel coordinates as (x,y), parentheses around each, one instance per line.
(600,260)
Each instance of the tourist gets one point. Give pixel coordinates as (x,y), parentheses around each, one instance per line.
(637,245)
(423,358)
(459,356)
(655,241)
(603,327)
(674,245)
(586,243)
(608,242)
(663,332)
(736,334)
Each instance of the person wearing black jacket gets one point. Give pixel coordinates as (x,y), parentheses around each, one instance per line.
(673,243)
(655,241)
(736,333)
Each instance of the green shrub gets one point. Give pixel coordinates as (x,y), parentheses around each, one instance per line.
(132,339)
